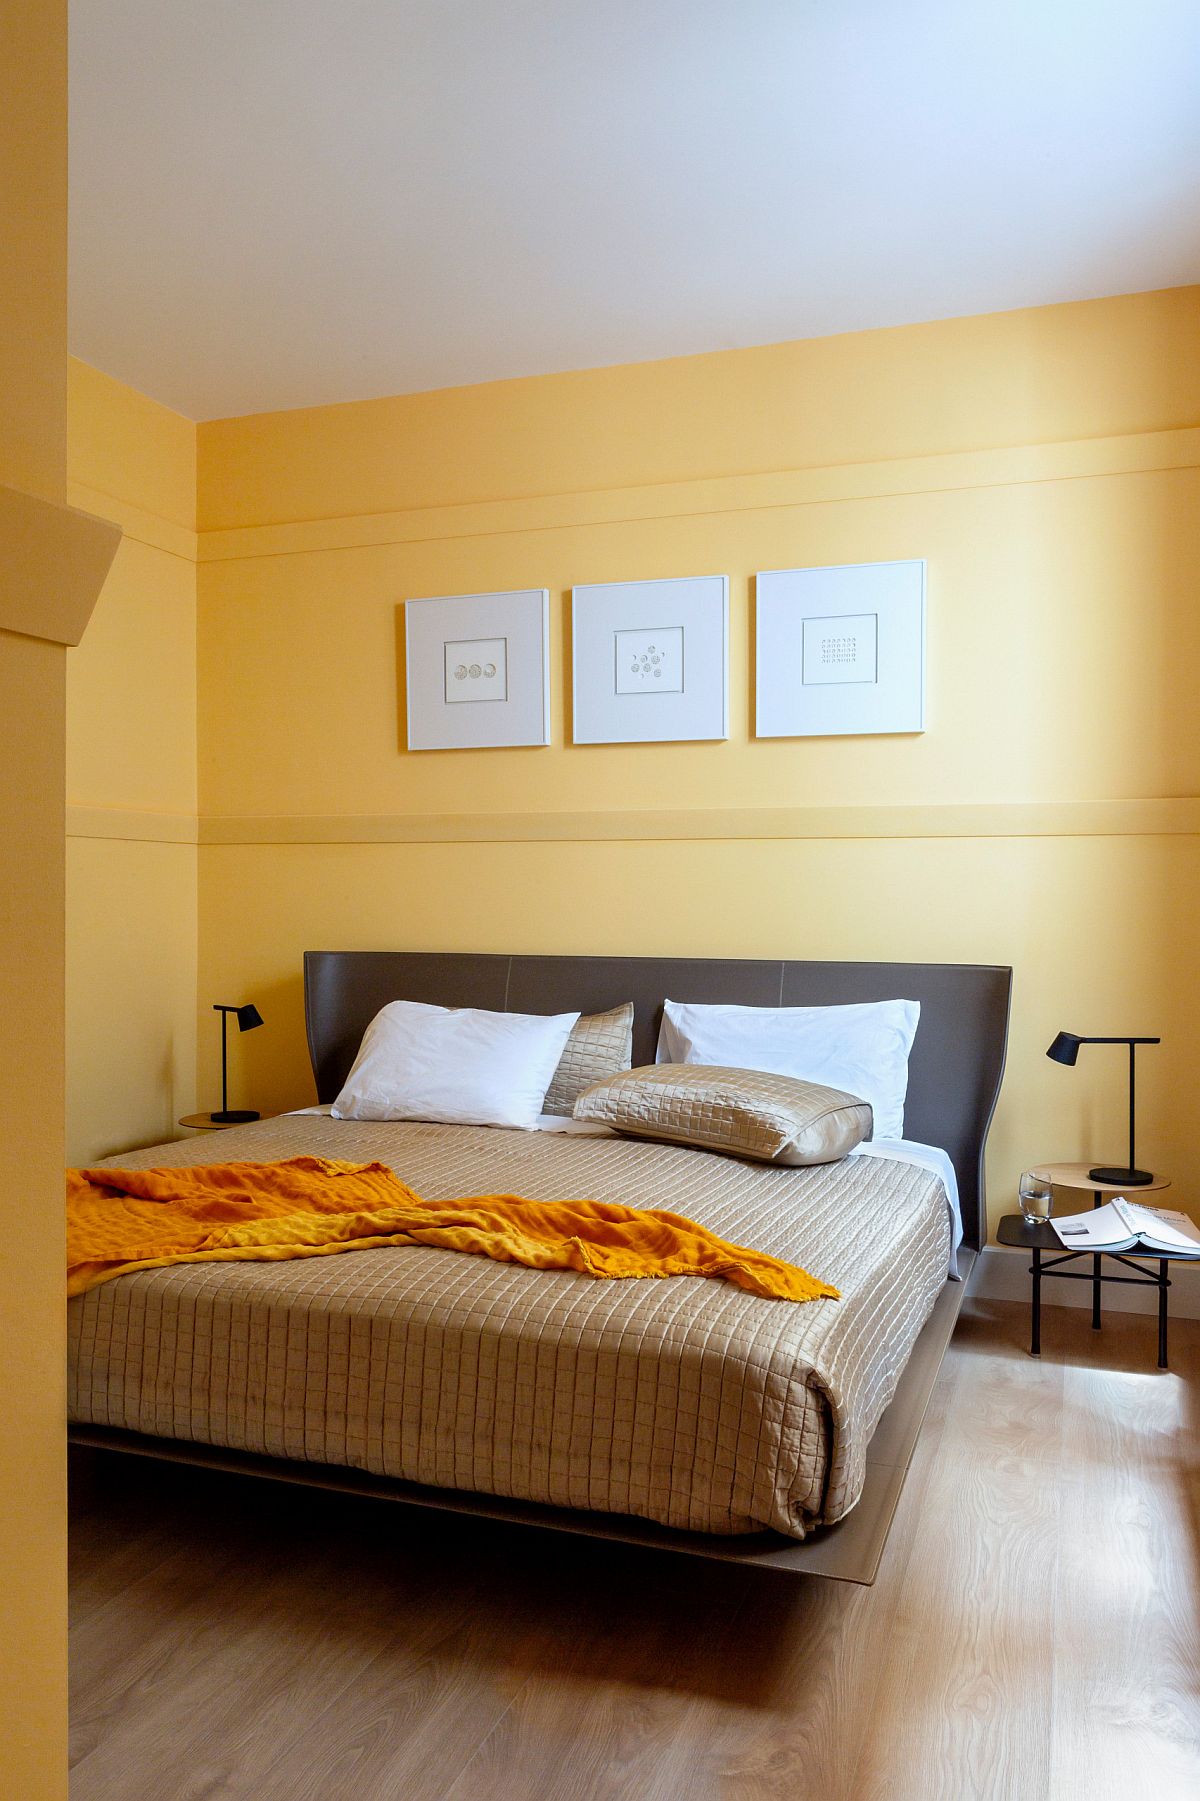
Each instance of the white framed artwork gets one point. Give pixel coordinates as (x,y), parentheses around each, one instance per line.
(478,675)
(840,650)
(650,660)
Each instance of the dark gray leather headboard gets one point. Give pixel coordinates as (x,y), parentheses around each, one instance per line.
(954,1072)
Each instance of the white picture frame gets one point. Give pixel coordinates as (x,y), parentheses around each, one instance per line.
(478,670)
(650,661)
(840,650)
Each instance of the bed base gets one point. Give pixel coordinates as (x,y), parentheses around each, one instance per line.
(849,1551)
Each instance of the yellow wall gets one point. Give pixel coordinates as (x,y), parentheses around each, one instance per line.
(131,780)
(1044,462)
(1092,370)
(33,146)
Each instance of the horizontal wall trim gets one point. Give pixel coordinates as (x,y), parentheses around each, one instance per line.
(1139,453)
(1136,454)
(144,527)
(1045,819)
(1064,819)
(139,828)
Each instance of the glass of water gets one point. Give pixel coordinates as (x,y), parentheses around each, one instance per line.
(1037,1196)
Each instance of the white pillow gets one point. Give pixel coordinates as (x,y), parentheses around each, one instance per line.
(459,1065)
(861,1049)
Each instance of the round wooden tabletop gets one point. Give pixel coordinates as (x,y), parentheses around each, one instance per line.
(204,1122)
(1075,1175)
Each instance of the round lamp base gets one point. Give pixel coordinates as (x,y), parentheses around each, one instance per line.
(234,1116)
(1116,1178)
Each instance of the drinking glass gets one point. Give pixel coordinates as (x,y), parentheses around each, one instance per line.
(1037,1196)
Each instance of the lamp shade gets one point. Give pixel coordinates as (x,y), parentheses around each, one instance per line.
(1065,1048)
(247,1018)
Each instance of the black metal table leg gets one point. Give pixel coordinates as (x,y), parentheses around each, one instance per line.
(1162,1313)
(1035,1348)
(1096,1281)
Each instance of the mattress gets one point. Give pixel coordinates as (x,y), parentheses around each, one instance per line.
(683,1401)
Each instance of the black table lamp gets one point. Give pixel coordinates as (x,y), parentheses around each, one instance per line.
(1065,1049)
(247,1018)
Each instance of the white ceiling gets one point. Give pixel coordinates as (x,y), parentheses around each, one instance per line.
(284,202)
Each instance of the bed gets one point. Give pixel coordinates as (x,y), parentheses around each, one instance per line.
(683,1412)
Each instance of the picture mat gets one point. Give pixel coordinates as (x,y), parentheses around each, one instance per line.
(519,619)
(692,615)
(788,600)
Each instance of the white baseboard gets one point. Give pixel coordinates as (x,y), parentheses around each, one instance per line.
(1001,1273)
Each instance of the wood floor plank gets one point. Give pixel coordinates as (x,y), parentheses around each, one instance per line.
(602,1717)
(139,1645)
(420,1706)
(1033,1634)
(304,1614)
(103,1566)
(1130,1565)
(752,1688)
(812,1702)
(965,1706)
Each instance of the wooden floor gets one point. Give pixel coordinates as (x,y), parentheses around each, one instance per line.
(1034,1634)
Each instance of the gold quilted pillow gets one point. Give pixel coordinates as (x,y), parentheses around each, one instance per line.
(743,1112)
(600,1045)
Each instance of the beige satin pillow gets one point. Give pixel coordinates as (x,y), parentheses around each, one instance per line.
(601,1044)
(743,1112)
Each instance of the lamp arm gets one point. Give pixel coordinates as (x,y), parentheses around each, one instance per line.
(1132,1158)
(225,1061)
(1120,1040)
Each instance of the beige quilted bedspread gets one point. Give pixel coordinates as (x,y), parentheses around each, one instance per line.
(684,1401)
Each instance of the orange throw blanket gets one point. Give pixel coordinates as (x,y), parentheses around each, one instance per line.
(126,1219)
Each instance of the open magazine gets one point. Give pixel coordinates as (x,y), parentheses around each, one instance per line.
(1120,1225)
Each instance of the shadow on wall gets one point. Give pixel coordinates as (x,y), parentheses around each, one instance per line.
(154,1073)
(401,682)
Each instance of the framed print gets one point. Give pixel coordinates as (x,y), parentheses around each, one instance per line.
(650,660)
(840,650)
(478,670)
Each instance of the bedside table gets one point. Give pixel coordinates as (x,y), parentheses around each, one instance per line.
(1075,1175)
(1014,1229)
(204,1122)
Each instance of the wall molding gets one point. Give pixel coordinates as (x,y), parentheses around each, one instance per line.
(1139,453)
(1002,1274)
(133,827)
(1047,819)
(151,529)
(1064,819)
